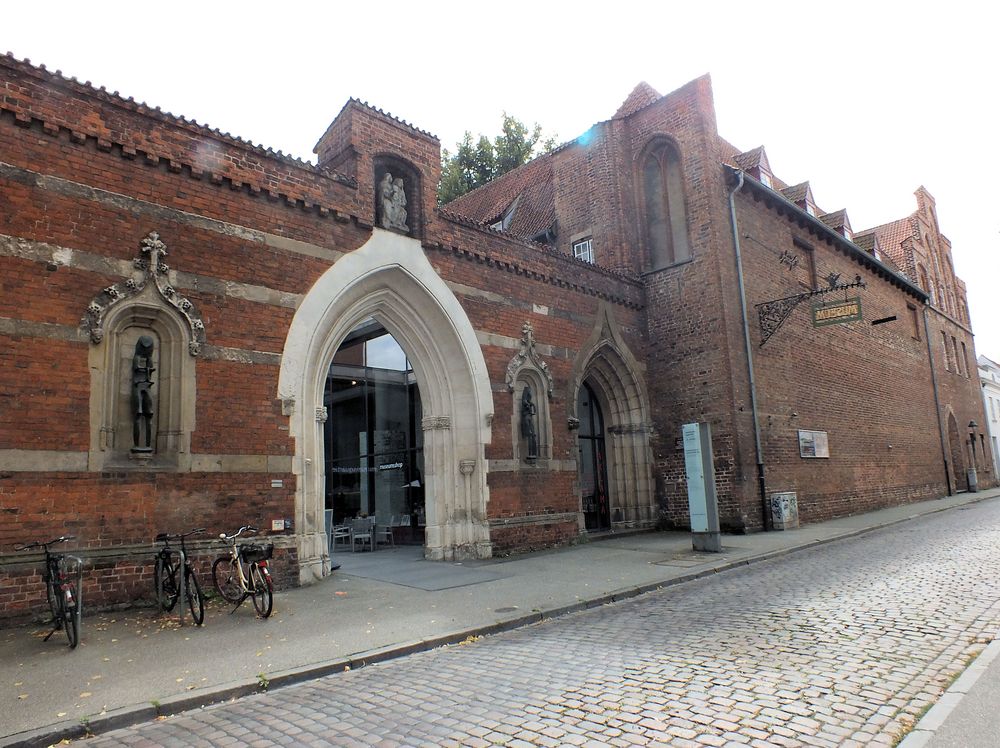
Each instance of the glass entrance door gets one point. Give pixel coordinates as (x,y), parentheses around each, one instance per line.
(592,462)
(374,443)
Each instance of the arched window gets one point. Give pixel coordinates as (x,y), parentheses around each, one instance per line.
(663,206)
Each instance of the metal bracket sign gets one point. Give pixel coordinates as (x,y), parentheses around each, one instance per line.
(837,312)
(772,314)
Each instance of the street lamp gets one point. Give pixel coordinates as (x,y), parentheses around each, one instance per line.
(973,478)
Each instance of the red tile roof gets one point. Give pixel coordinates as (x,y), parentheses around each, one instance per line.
(642,96)
(891,237)
(535,211)
(837,220)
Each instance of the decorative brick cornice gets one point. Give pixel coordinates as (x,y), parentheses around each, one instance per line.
(551,279)
(23,116)
(391,118)
(784,207)
(100,93)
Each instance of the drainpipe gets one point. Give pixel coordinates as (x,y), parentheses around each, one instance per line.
(937,406)
(761,484)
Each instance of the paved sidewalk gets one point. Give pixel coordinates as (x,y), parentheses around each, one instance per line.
(966,716)
(135,665)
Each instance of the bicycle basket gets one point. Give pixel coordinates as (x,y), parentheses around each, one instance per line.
(253,552)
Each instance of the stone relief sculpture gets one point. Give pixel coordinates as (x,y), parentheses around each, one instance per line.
(528,411)
(392,203)
(142,398)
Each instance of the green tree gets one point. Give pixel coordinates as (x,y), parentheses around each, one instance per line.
(475,163)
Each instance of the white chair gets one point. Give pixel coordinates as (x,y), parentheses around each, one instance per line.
(361,531)
(383,533)
(341,533)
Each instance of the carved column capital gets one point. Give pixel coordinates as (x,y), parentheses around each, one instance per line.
(434,423)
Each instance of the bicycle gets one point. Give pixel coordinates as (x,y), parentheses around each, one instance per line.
(243,573)
(63,588)
(174,576)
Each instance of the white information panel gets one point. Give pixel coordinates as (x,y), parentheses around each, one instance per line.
(695,469)
(699,467)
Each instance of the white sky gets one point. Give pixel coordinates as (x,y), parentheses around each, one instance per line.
(866,100)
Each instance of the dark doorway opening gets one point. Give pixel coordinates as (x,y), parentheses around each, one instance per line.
(374,446)
(592,462)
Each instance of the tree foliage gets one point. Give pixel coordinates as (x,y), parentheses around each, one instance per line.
(475,163)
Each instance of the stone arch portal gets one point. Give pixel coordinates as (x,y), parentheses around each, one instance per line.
(390,279)
(608,368)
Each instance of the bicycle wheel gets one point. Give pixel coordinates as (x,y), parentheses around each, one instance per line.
(260,584)
(167,578)
(195,600)
(226,579)
(71,618)
(52,594)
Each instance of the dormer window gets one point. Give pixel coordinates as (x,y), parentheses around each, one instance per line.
(811,208)
(765,179)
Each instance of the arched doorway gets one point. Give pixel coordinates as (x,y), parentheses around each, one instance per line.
(390,281)
(592,462)
(607,389)
(373,439)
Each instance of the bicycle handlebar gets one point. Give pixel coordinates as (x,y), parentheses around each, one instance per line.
(40,544)
(165,536)
(245,528)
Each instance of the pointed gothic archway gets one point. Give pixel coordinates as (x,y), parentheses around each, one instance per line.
(390,280)
(607,372)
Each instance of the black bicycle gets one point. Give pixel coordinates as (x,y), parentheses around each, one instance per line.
(63,588)
(174,576)
(243,573)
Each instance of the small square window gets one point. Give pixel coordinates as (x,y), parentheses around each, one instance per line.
(584,250)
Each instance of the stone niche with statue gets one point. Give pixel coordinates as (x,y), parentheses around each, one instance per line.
(145,338)
(398,197)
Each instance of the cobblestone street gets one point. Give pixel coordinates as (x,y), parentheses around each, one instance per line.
(846,644)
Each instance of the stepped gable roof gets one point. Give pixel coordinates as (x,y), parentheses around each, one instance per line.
(642,96)
(489,203)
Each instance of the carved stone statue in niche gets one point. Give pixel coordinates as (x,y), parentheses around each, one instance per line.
(142,399)
(392,203)
(528,411)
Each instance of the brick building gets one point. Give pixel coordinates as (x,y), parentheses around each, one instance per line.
(306,343)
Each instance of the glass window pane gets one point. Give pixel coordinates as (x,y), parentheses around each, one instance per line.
(346,416)
(384,352)
(583,411)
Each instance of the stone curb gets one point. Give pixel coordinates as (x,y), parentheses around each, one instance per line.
(132,715)
(924,730)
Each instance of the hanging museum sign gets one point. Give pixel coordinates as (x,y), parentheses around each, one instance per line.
(837,312)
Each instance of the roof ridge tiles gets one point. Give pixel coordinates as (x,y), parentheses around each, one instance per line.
(118,99)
